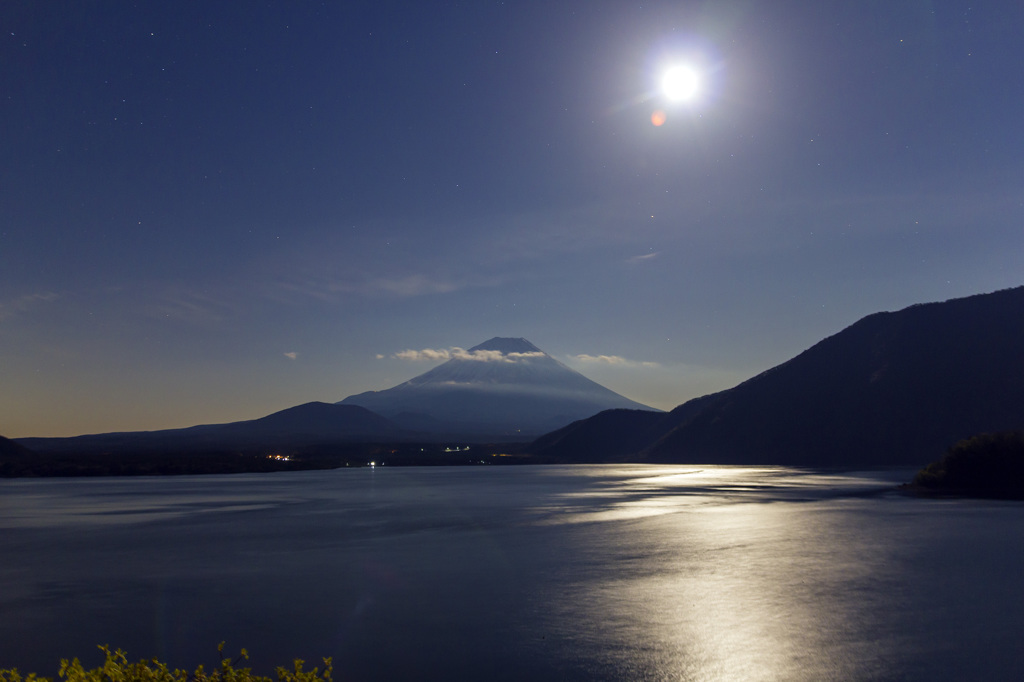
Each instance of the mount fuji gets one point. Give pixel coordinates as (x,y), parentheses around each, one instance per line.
(504,386)
(502,391)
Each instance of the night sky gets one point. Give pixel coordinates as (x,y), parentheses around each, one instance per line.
(210,211)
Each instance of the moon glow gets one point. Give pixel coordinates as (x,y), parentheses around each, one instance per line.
(680,83)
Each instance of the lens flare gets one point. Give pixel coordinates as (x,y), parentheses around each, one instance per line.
(658,117)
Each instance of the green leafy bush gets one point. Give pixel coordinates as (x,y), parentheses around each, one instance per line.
(116,668)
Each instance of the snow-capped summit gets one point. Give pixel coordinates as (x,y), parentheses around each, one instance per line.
(503,386)
(507,345)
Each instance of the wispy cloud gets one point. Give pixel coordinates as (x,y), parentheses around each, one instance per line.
(427,354)
(292,355)
(184,304)
(412,285)
(520,356)
(456,353)
(330,289)
(613,360)
(578,229)
(514,247)
(25,303)
(642,258)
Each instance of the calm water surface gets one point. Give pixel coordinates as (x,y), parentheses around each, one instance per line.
(586,572)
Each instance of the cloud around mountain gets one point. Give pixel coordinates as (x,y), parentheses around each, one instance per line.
(456,353)
(614,360)
(481,355)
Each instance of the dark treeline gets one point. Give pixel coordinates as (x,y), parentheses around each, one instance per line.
(987,465)
(326,456)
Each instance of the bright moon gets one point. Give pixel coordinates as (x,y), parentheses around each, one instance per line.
(680,83)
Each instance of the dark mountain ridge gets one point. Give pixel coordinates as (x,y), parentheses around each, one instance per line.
(10,448)
(893,388)
(303,425)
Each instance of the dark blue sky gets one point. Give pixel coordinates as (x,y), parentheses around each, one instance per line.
(211,211)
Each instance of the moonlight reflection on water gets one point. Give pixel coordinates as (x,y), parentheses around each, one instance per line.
(742,592)
(613,572)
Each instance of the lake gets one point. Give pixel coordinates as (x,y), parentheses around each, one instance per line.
(519,572)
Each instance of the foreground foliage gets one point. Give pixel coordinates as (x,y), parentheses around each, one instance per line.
(116,668)
(989,465)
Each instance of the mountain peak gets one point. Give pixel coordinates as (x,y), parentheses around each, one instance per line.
(504,386)
(507,345)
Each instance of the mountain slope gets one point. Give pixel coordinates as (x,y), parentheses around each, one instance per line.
(610,436)
(10,448)
(892,388)
(502,386)
(311,423)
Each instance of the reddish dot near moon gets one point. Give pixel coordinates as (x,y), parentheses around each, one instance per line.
(658,117)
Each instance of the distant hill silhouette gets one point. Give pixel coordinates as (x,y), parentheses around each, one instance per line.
(9,448)
(896,387)
(12,456)
(309,424)
(502,387)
